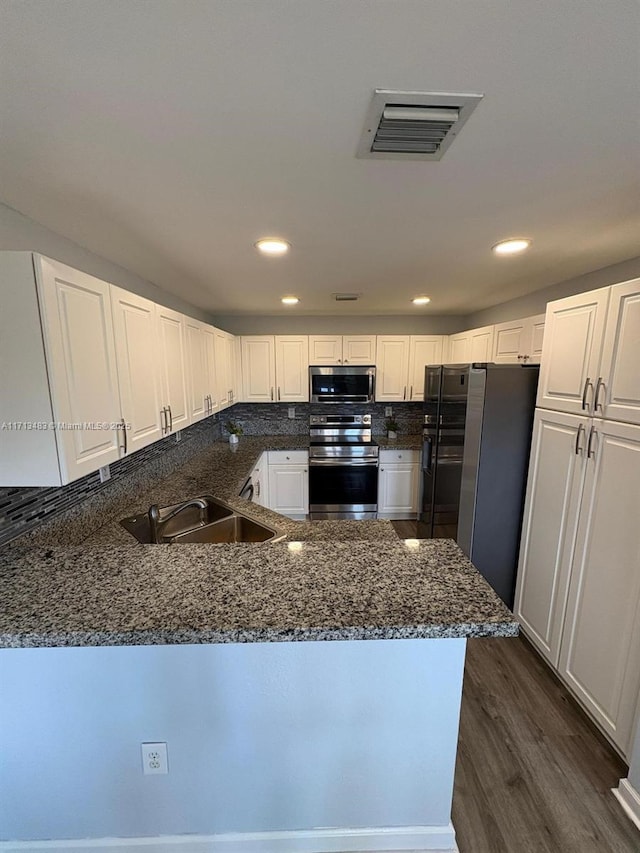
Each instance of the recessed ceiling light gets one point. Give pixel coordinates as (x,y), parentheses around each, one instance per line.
(273,246)
(511,246)
(421,300)
(289,300)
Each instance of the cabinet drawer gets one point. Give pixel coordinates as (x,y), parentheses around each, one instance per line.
(388,456)
(283,457)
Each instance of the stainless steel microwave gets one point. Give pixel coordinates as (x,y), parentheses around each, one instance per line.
(342,384)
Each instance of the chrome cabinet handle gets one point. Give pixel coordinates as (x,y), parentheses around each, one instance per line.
(278,393)
(596,403)
(404,393)
(411,393)
(526,358)
(163,416)
(124,435)
(272,395)
(520,357)
(578,448)
(587,383)
(257,489)
(170,419)
(346,361)
(591,454)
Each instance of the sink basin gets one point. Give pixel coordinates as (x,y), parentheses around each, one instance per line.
(215,523)
(237,528)
(187,519)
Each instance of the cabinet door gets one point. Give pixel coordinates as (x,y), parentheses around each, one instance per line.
(325,349)
(398,487)
(173,367)
(423,350)
(223,369)
(209,334)
(81,360)
(138,377)
(292,368)
(481,344)
(537,339)
(196,367)
(459,348)
(258,369)
(619,384)
(392,368)
(573,333)
(600,657)
(289,490)
(554,489)
(511,341)
(359,349)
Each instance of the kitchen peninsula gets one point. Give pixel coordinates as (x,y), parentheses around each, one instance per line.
(273,745)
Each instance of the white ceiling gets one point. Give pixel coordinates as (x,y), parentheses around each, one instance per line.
(169,135)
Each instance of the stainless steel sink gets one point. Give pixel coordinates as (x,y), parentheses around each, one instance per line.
(203,519)
(237,528)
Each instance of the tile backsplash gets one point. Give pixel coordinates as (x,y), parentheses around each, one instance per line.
(24,509)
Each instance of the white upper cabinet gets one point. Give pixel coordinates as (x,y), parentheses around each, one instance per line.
(275,369)
(571,352)
(342,349)
(519,341)
(225,365)
(423,350)
(459,348)
(481,344)
(392,368)
(172,358)
(618,383)
(196,369)
(81,361)
(211,395)
(138,376)
(292,368)
(258,369)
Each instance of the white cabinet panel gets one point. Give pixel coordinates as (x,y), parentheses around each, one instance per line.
(398,489)
(325,349)
(292,368)
(571,352)
(359,349)
(618,388)
(481,344)
(173,367)
(510,342)
(225,368)
(138,376)
(289,483)
(554,489)
(196,369)
(459,348)
(600,656)
(258,369)
(537,338)
(209,334)
(78,334)
(392,368)
(423,350)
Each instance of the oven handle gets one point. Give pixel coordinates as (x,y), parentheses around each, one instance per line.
(343,462)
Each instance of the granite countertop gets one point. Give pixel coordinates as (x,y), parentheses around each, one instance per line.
(75,583)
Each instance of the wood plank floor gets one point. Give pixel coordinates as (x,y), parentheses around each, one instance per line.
(533,774)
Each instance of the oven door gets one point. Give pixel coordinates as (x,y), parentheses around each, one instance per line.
(343,489)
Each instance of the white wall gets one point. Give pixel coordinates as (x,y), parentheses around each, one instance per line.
(536,303)
(276,736)
(19,233)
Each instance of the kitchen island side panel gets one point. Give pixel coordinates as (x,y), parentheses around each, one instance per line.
(261,737)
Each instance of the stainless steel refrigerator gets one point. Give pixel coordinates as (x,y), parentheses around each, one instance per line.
(477,434)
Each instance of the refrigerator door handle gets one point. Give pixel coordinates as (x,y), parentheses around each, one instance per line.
(427,454)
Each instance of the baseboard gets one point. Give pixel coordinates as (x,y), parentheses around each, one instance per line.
(629,799)
(430,839)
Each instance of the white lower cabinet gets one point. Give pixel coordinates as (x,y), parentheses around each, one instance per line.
(399,484)
(260,481)
(578,591)
(289,483)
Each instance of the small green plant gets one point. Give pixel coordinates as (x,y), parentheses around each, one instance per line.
(391,425)
(233,428)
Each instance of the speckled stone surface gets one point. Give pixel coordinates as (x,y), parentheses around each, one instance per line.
(147,594)
(402,442)
(83,579)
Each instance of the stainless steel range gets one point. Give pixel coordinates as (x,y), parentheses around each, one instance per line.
(343,467)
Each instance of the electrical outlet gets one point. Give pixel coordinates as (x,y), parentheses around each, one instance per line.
(105,473)
(179,435)
(388,411)
(154,758)
(292,412)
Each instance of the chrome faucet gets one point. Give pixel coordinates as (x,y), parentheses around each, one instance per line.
(157,519)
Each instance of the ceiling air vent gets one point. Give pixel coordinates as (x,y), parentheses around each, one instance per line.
(347,297)
(413,125)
